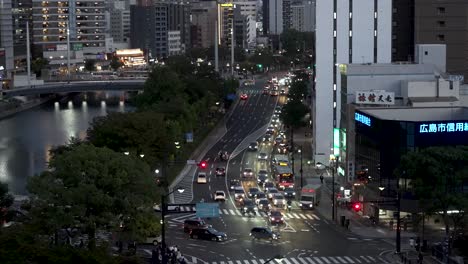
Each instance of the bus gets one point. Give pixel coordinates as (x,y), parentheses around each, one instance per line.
(283,176)
(280,159)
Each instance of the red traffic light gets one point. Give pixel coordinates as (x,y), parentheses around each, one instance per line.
(203,165)
(357,206)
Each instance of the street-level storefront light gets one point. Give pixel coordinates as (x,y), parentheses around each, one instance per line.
(181,190)
(381,188)
(156,171)
(142,155)
(127,153)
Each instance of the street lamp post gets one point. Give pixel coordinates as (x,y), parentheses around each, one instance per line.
(398,223)
(163,215)
(300,151)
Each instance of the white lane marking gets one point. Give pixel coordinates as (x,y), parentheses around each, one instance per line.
(326,260)
(349,259)
(304,262)
(295,261)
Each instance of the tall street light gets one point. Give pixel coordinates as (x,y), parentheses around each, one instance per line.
(300,151)
(163,215)
(276,257)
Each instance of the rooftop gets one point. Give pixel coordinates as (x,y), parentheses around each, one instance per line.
(418,114)
(367,69)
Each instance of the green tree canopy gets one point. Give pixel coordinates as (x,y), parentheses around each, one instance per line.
(92,189)
(293,114)
(90,65)
(299,90)
(38,64)
(437,175)
(138,133)
(115,63)
(294,41)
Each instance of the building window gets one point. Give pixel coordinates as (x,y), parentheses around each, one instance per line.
(441,10)
(441,37)
(441,23)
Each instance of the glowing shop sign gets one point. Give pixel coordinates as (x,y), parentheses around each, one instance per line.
(362,119)
(443,127)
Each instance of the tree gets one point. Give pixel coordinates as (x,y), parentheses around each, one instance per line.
(292,116)
(437,175)
(93,189)
(90,65)
(115,63)
(6,200)
(38,64)
(299,90)
(138,133)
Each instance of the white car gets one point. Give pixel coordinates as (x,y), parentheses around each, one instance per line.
(201,177)
(278,200)
(220,196)
(271,192)
(262,156)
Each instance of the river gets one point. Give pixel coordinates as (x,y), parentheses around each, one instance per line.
(27,137)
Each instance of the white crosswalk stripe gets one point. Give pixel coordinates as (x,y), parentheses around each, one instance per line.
(312,260)
(222,211)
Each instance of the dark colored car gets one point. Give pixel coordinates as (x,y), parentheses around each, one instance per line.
(253,191)
(289,193)
(220,171)
(233,184)
(263,233)
(276,217)
(253,146)
(190,224)
(208,234)
(268,185)
(248,207)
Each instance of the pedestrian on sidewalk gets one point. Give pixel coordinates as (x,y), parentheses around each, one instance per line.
(321,179)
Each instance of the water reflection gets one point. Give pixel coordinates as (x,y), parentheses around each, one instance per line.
(26,138)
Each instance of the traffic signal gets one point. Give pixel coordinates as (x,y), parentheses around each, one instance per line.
(357,207)
(259,66)
(203,164)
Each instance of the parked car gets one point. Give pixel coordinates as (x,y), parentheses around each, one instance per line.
(208,234)
(263,233)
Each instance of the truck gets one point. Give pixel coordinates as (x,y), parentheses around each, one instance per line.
(310,196)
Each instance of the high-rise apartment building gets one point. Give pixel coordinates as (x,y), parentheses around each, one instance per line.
(444,22)
(82,21)
(273,17)
(6,39)
(225,23)
(403,30)
(150,23)
(303,15)
(346,32)
(119,24)
(204,15)
(248,9)
(21,14)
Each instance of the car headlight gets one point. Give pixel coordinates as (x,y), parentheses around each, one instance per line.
(272,219)
(310,205)
(282,218)
(300,204)
(293,193)
(220,237)
(245,208)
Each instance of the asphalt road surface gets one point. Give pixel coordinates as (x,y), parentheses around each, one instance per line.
(306,237)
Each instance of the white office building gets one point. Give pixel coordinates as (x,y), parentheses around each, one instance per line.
(174,43)
(346,32)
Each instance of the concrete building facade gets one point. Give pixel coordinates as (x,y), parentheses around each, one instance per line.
(346,32)
(204,17)
(303,16)
(6,39)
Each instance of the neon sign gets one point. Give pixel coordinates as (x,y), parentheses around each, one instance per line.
(443,127)
(362,119)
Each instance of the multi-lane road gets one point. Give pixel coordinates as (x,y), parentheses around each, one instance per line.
(306,236)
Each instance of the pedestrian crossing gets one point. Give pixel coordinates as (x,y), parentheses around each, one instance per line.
(304,260)
(290,215)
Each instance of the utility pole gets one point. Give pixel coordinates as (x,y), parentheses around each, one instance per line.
(333,188)
(28,53)
(398,204)
(302,184)
(232,49)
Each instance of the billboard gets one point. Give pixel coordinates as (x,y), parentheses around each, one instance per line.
(375,97)
(62,47)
